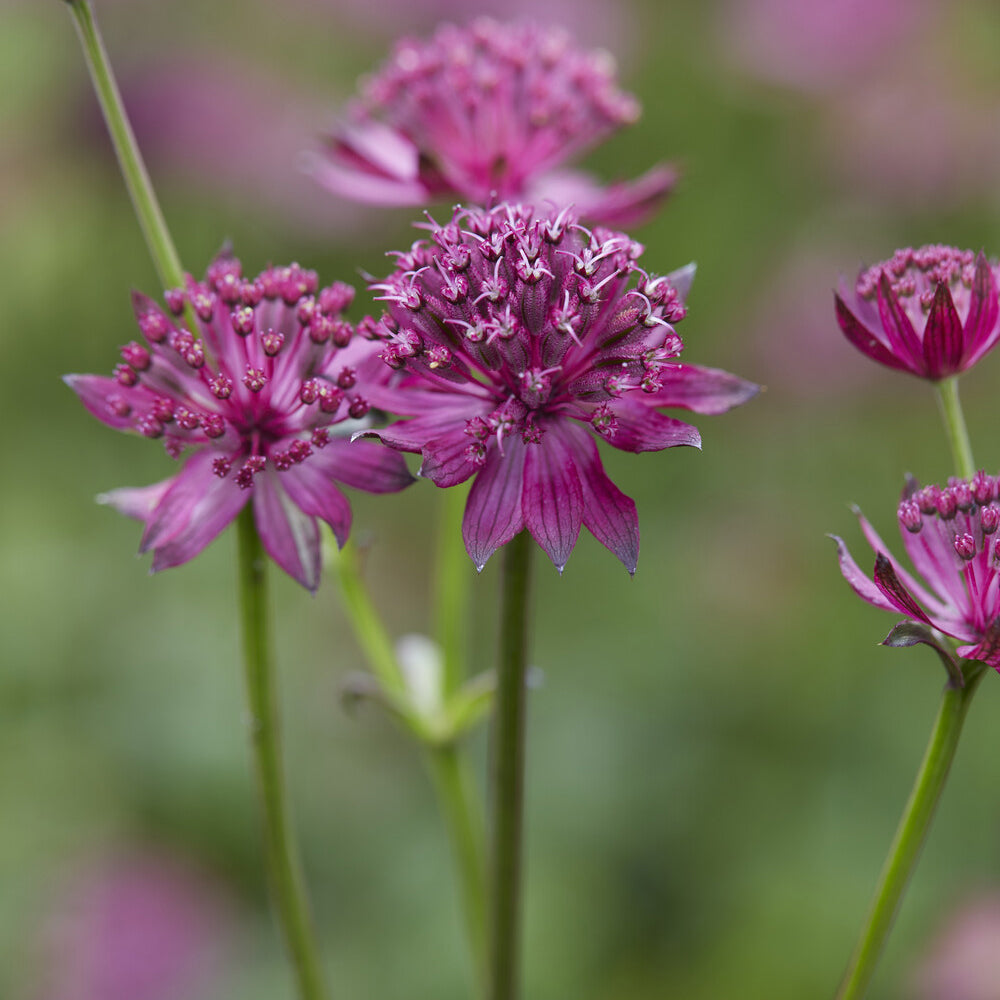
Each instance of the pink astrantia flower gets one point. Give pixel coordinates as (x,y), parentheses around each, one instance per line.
(253,399)
(138,925)
(487,111)
(950,535)
(932,312)
(521,338)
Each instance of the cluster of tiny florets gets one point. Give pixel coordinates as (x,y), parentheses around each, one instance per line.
(490,89)
(533,312)
(264,369)
(964,513)
(916,274)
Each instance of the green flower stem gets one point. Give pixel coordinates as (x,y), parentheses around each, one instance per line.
(456,793)
(284,870)
(916,819)
(368,628)
(147,208)
(452,587)
(954,422)
(911,834)
(507,773)
(448,770)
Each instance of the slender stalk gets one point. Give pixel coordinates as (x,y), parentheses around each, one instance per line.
(954,423)
(916,819)
(367,625)
(456,793)
(448,770)
(283,868)
(451,609)
(147,208)
(910,835)
(507,766)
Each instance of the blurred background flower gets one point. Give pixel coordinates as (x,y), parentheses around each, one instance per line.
(134,924)
(962,961)
(720,750)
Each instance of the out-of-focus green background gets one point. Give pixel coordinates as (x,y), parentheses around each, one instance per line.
(720,750)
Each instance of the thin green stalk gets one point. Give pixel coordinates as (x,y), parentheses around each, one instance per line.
(916,819)
(283,868)
(954,423)
(451,607)
(456,793)
(446,765)
(507,767)
(147,208)
(910,835)
(364,618)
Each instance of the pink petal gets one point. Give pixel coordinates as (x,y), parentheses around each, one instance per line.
(981,327)
(186,494)
(210,512)
(412,435)
(137,502)
(621,205)
(290,536)
(864,339)
(939,579)
(493,511)
(364,465)
(860,583)
(95,392)
(446,459)
(383,148)
(360,185)
(641,428)
(608,514)
(703,390)
(903,339)
(897,595)
(943,338)
(552,501)
(630,203)
(310,488)
(682,279)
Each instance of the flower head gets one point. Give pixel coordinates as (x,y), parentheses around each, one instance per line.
(932,312)
(487,111)
(252,397)
(950,535)
(135,925)
(522,338)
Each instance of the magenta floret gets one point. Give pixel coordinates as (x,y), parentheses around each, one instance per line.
(932,312)
(487,111)
(248,395)
(947,533)
(556,336)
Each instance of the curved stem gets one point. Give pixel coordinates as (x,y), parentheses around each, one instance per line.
(147,208)
(448,770)
(954,423)
(910,835)
(456,793)
(452,590)
(368,628)
(507,765)
(283,868)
